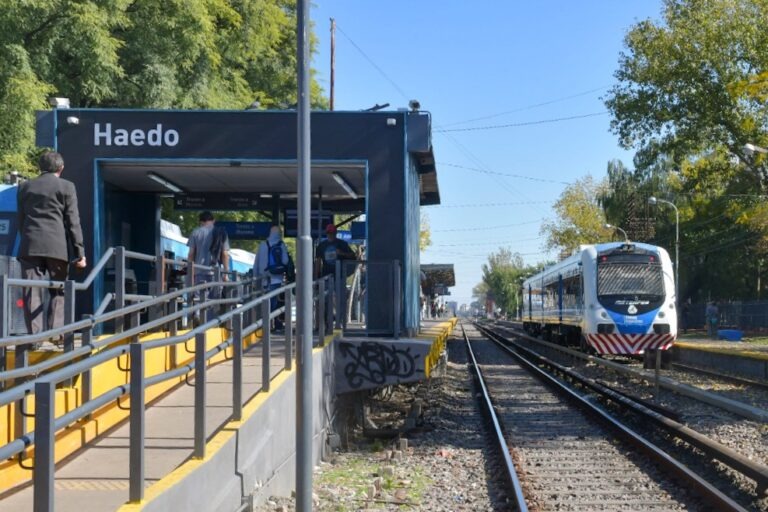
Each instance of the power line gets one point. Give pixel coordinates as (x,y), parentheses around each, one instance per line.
(505,174)
(372,63)
(486,227)
(527,107)
(485,205)
(499,243)
(525,123)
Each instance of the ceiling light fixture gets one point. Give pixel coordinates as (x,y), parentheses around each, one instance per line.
(164,182)
(345,185)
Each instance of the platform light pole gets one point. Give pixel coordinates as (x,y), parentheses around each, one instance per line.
(617,228)
(304,271)
(653,201)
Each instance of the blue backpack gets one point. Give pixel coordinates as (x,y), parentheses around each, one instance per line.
(275,265)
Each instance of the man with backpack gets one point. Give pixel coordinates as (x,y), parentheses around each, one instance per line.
(208,246)
(272,265)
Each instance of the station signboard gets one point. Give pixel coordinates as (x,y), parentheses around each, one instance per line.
(216,201)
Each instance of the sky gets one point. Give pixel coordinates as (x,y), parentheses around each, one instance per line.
(476,67)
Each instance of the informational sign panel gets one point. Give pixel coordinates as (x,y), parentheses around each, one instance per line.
(292,226)
(216,201)
(246,230)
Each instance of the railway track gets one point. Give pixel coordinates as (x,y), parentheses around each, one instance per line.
(566,461)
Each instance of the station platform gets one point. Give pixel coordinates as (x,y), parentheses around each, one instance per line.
(253,456)
(740,358)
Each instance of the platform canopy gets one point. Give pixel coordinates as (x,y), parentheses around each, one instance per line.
(437,278)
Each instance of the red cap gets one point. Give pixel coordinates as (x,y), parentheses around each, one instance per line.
(330,228)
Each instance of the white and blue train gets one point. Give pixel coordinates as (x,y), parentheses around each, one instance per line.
(613,298)
(171,240)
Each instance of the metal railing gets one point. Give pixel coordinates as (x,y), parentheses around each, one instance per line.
(352,279)
(244,312)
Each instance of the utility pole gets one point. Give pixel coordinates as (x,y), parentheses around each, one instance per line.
(304,314)
(333,61)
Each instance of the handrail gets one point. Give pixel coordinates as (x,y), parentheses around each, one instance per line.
(242,303)
(96,269)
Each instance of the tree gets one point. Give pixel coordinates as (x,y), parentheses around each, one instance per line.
(425,235)
(153,53)
(694,82)
(580,219)
(502,276)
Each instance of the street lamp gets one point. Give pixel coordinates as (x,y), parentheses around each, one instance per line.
(751,148)
(653,201)
(617,228)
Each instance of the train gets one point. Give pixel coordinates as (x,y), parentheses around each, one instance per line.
(611,298)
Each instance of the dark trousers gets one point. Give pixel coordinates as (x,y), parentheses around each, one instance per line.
(39,268)
(273,304)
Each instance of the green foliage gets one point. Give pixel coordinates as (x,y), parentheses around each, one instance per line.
(693,82)
(691,93)
(425,235)
(580,219)
(502,276)
(154,54)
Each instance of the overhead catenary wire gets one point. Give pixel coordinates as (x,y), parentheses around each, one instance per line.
(523,123)
(372,63)
(504,174)
(527,107)
(486,228)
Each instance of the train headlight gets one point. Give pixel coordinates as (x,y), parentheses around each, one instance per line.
(662,314)
(603,314)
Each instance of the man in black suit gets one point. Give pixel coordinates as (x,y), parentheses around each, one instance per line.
(49,224)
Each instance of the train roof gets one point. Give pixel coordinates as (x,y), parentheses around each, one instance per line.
(575,258)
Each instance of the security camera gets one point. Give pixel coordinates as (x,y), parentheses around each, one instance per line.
(73,120)
(414,104)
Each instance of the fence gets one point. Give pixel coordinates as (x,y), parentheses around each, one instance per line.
(747,315)
(241,308)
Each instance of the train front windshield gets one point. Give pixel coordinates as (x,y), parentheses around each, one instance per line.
(630,283)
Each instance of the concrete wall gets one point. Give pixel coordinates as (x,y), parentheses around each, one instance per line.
(736,364)
(259,458)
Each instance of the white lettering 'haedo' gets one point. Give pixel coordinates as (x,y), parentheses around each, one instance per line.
(121,137)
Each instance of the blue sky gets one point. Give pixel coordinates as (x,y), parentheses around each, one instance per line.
(496,60)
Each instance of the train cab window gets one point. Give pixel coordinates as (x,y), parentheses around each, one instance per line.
(630,283)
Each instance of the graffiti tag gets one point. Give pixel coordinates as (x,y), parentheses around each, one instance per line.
(375,362)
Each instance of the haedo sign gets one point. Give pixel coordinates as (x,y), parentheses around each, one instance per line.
(157,136)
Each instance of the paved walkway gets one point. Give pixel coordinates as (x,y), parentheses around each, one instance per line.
(97,477)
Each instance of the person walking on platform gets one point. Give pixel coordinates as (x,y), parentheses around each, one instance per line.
(209,247)
(713,317)
(49,225)
(271,265)
(328,252)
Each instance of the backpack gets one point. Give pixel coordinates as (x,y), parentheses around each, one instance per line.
(219,239)
(275,264)
(290,270)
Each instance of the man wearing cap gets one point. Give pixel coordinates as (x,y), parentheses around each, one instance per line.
(330,250)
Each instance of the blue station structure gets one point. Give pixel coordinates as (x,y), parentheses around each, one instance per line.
(379,164)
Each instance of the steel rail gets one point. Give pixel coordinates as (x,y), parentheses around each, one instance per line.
(732,378)
(716,498)
(509,466)
(739,408)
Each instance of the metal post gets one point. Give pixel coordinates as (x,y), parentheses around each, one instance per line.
(237,367)
(288,329)
(321,312)
(200,377)
(86,375)
(657,376)
(397,299)
(119,285)
(69,314)
(136,442)
(43,473)
(677,259)
(304,461)
(173,308)
(339,294)
(5,318)
(266,346)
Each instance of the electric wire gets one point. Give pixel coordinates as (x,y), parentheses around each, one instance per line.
(504,174)
(523,123)
(527,107)
(372,63)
